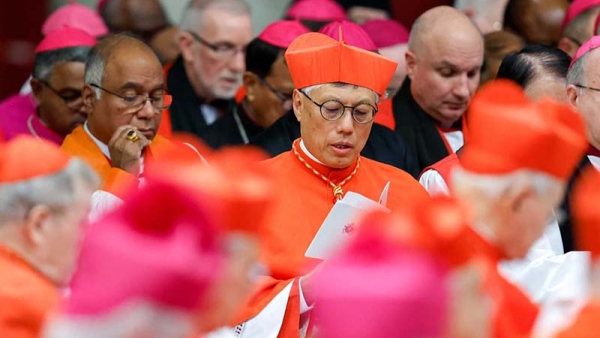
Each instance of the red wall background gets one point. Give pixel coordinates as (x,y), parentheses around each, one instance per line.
(20,25)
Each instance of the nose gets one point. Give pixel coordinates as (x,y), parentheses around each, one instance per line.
(147,111)
(346,123)
(238,62)
(461,88)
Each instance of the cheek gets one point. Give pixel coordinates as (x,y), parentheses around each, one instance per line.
(474,83)
(363,132)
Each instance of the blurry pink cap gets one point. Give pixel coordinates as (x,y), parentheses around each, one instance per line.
(377,288)
(76,16)
(588,46)
(577,7)
(316,10)
(160,246)
(353,34)
(386,32)
(65,38)
(281,33)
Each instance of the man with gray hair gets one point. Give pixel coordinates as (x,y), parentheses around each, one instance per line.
(124,96)
(44,199)
(582,88)
(208,73)
(54,107)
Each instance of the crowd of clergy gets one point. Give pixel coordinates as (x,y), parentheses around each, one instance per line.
(339,175)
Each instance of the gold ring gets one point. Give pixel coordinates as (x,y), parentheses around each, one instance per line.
(132,136)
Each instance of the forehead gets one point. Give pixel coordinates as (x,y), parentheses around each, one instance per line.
(462,50)
(220,25)
(280,70)
(67,72)
(130,63)
(348,94)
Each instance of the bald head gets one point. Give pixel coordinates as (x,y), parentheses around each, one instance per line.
(538,22)
(194,15)
(143,18)
(443,62)
(442,23)
(111,49)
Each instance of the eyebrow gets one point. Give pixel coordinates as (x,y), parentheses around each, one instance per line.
(134,85)
(449,64)
(70,89)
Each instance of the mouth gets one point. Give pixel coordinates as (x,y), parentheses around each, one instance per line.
(149,133)
(342,148)
(230,81)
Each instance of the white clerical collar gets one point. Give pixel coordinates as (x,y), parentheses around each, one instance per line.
(595,160)
(103,147)
(303,147)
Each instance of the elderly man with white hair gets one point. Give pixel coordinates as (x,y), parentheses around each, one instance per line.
(44,200)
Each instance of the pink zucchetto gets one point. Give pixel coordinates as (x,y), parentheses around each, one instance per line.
(577,7)
(281,33)
(376,287)
(386,32)
(65,38)
(588,46)
(78,16)
(163,251)
(316,10)
(352,34)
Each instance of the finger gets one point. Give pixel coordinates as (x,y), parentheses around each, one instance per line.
(143,141)
(120,133)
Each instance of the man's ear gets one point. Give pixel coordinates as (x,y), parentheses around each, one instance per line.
(36,88)
(88,93)
(36,224)
(186,42)
(297,103)
(567,46)
(250,81)
(411,63)
(517,194)
(573,96)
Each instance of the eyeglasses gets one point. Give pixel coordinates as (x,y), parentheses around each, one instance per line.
(286,100)
(586,87)
(159,100)
(70,100)
(224,50)
(333,110)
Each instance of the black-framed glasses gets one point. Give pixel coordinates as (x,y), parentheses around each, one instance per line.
(286,100)
(224,50)
(333,110)
(586,87)
(159,100)
(70,100)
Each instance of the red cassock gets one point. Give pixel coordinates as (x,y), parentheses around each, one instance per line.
(304,200)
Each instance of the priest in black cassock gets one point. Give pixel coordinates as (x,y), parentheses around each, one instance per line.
(204,79)
(443,63)
(267,87)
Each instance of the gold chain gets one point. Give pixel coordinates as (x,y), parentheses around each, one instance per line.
(338,192)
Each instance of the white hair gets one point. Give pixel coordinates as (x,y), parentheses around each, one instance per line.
(576,73)
(309,89)
(55,191)
(125,320)
(494,186)
(94,70)
(193,16)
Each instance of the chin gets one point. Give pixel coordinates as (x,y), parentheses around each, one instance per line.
(340,162)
